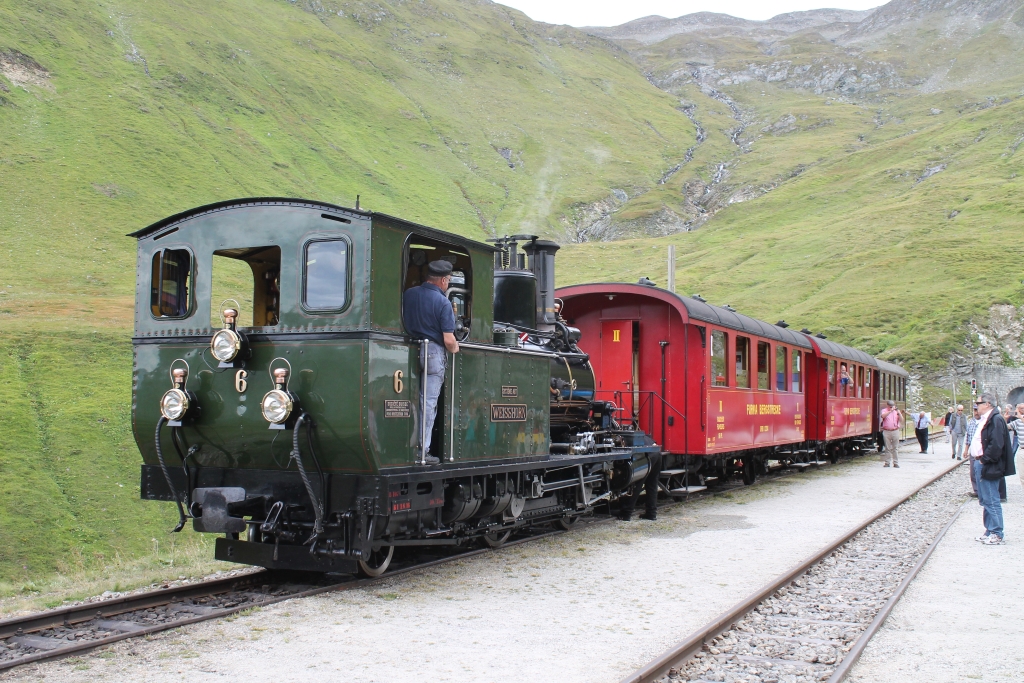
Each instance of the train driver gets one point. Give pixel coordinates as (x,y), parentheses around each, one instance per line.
(429,315)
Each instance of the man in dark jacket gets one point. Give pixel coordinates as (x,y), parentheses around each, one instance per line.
(990,447)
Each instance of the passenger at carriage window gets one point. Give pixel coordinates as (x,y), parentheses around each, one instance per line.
(844,378)
(428,315)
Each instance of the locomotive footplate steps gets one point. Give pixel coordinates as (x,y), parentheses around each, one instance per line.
(281,556)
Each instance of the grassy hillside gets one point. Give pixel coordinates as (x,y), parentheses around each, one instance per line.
(891,242)
(463,115)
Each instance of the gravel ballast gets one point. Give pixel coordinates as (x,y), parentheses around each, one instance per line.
(962,619)
(590,605)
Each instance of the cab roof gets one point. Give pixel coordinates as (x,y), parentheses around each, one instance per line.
(309,204)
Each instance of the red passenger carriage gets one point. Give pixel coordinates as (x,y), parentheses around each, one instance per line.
(722,392)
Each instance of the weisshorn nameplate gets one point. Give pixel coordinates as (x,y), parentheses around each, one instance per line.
(508,412)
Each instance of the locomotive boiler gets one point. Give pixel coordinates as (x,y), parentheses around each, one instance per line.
(277,397)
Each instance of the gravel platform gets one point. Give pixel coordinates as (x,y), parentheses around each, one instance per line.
(962,619)
(590,605)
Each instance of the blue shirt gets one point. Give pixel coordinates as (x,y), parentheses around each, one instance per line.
(428,313)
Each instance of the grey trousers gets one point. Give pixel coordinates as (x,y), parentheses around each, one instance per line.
(958,443)
(436,364)
(892,446)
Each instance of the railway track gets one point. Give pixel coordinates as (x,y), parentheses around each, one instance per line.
(72,630)
(812,623)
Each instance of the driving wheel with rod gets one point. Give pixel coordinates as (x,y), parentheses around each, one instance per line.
(567,522)
(378,562)
(496,539)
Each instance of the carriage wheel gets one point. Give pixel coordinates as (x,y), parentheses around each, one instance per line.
(749,471)
(497,539)
(378,562)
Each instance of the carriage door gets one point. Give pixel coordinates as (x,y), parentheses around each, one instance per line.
(617,366)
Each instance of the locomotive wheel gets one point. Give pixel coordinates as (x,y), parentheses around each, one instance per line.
(568,521)
(750,468)
(497,538)
(378,563)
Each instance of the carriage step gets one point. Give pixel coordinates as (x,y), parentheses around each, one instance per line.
(671,473)
(800,465)
(691,489)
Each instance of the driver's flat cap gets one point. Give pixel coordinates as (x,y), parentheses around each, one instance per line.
(439,268)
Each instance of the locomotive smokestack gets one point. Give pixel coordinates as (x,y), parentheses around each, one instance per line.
(542,263)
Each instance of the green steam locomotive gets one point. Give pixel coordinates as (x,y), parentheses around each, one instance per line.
(277,397)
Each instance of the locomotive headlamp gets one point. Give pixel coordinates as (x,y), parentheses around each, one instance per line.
(177,401)
(279,404)
(227,343)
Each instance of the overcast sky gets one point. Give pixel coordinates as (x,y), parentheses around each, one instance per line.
(615,12)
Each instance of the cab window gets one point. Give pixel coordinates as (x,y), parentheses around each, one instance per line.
(780,368)
(419,252)
(795,370)
(718,344)
(325,284)
(251,278)
(763,356)
(171,284)
(743,362)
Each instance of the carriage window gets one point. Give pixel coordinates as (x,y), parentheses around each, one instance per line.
(743,362)
(326,282)
(795,368)
(867,382)
(860,382)
(903,389)
(762,365)
(250,276)
(171,286)
(832,378)
(718,343)
(780,368)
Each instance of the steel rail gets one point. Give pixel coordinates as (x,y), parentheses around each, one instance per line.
(876,624)
(681,652)
(130,603)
